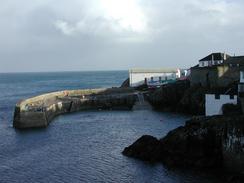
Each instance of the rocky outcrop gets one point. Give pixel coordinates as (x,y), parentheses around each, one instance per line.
(181,97)
(206,142)
(168,96)
(126,83)
(145,148)
(232,109)
(193,100)
(41,110)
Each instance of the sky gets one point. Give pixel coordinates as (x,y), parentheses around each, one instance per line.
(78,35)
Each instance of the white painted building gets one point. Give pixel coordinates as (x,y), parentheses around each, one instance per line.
(242,76)
(154,77)
(241,84)
(241,89)
(213,59)
(214,103)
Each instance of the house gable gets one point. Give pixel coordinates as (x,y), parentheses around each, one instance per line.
(213,59)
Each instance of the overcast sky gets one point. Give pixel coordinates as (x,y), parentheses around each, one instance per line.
(59,35)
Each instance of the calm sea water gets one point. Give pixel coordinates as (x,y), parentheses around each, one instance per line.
(85,146)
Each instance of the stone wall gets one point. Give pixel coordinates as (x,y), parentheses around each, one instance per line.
(215,76)
(41,110)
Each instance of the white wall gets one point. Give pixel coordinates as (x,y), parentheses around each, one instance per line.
(205,63)
(213,106)
(210,63)
(137,79)
(241,76)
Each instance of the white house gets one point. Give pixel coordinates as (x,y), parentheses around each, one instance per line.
(214,103)
(241,84)
(241,89)
(242,76)
(213,59)
(153,77)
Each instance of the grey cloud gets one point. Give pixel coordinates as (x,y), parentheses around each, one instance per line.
(46,35)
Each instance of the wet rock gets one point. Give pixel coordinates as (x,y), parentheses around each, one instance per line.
(168,96)
(145,148)
(193,100)
(126,83)
(236,178)
(205,142)
(231,109)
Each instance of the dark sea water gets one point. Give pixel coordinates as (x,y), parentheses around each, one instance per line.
(85,146)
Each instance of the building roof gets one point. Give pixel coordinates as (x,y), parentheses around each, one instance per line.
(163,70)
(215,56)
(235,60)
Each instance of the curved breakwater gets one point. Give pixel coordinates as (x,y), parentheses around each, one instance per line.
(39,111)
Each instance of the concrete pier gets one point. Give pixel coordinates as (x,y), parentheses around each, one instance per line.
(39,111)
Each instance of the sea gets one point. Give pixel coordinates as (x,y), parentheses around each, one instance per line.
(84,146)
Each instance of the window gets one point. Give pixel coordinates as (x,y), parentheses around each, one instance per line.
(232,97)
(151,78)
(217,96)
(160,79)
(240,88)
(242,73)
(209,63)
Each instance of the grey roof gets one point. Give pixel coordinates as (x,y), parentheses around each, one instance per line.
(235,60)
(163,70)
(215,56)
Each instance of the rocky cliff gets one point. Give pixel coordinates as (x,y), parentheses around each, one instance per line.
(181,97)
(168,96)
(206,142)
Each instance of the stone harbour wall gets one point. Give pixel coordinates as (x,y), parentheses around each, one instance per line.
(39,111)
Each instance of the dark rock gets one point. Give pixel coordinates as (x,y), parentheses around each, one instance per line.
(168,96)
(181,97)
(126,83)
(231,109)
(192,146)
(145,148)
(142,87)
(235,178)
(206,142)
(193,100)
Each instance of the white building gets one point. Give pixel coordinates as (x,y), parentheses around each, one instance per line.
(242,76)
(241,84)
(153,77)
(213,59)
(241,89)
(214,103)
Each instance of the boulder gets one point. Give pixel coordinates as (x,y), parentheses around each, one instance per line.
(126,83)
(204,142)
(145,148)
